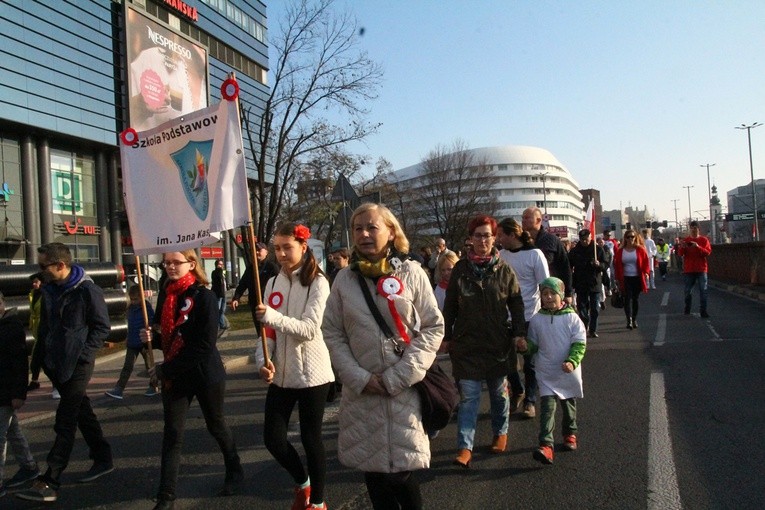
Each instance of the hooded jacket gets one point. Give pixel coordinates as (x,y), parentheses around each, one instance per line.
(382,434)
(74,322)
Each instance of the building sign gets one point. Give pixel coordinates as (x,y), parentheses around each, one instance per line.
(184,9)
(167,73)
(76,228)
(67,192)
(747,216)
(211,252)
(558,231)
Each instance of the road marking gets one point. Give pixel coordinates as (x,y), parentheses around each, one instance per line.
(715,334)
(663,493)
(661,330)
(665,299)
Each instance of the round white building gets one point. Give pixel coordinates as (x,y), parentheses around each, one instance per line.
(526,177)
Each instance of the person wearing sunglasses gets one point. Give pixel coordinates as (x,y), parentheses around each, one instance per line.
(74,322)
(632,269)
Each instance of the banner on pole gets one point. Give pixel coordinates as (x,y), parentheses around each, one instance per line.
(589,218)
(184,181)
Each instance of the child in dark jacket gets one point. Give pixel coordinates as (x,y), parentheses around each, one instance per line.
(133,344)
(14,372)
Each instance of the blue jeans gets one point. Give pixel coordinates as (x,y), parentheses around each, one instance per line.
(10,432)
(467,415)
(690,279)
(222,321)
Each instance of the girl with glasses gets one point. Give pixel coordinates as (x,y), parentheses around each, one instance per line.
(632,268)
(186,328)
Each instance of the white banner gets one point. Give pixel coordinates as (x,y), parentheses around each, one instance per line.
(184,180)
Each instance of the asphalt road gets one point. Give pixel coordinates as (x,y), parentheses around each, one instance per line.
(672,417)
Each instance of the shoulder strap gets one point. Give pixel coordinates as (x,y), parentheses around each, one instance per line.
(373,307)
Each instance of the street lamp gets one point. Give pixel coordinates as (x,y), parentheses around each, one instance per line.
(751,173)
(709,190)
(677,225)
(689,204)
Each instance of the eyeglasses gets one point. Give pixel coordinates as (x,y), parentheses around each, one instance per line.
(629,237)
(175,263)
(43,267)
(482,236)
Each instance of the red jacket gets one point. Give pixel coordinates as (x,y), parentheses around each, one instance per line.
(642,262)
(694,256)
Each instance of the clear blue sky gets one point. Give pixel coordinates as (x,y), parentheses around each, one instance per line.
(630,96)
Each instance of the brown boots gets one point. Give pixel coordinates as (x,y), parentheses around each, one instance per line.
(463,458)
(499,444)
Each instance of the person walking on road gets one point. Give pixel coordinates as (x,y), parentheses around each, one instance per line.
(556,339)
(187,325)
(663,256)
(74,323)
(482,290)
(218,286)
(588,263)
(380,420)
(14,372)
(299,371)
(694,250)
(631,265)
(133,344)
(650,248)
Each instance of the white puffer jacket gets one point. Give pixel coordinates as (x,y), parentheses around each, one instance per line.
(382,434)
(299,354)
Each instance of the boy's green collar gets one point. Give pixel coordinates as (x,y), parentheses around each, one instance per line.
(566,309)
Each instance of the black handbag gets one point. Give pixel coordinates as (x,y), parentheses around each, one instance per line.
(617,299)
(438,392)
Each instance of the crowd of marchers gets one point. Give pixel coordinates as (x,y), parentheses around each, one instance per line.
(513,309)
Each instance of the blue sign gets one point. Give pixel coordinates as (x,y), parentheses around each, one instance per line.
(6,192)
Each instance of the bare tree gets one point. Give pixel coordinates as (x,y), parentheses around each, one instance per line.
(318,72)
(454,187)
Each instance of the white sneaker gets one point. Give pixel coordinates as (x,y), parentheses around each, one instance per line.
(55,395)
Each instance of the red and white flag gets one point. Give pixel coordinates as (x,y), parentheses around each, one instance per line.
(589,217)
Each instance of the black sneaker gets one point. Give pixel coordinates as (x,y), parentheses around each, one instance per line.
(40,491)
(22,476)
(33,385)
(98,470)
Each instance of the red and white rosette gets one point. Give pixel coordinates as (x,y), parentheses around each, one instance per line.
(391,287)
(275,300)
(229,89)
(129,136)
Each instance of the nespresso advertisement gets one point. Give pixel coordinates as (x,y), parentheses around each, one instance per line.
(167,73)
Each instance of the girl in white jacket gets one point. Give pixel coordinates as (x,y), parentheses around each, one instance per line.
(299,371)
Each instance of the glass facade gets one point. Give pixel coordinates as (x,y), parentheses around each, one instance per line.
(11,201)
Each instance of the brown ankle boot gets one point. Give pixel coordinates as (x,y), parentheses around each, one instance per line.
(499,444)
(463,458)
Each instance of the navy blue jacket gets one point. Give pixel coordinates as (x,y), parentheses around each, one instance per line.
(14,369)
(73,324)
(198,363)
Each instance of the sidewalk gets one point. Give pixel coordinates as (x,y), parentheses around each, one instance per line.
(237,348)
(756,292)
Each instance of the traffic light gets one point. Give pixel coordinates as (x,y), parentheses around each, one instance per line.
(664,223)
(647,224)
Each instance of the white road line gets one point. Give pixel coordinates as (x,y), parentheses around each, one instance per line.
(665,299)
(715,334)
(661,330)
(663,492)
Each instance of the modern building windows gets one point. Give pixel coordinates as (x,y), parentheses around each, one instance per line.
(73,184)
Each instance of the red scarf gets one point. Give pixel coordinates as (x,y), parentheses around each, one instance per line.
(172,342)
(443,284)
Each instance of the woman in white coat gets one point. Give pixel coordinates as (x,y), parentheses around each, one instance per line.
(381,431)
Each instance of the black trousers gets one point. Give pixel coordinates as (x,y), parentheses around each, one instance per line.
(176,402)
(394,491)
(311,402)
(633,286)
(75,411)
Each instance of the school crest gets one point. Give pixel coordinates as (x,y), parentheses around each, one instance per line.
(193,163)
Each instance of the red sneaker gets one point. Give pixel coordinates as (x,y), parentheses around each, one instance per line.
(544,454)
(569,442)
(302,496)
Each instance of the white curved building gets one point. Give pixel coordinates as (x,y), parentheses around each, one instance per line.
(526,177)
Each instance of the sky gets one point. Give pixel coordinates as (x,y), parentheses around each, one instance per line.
(631,97)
